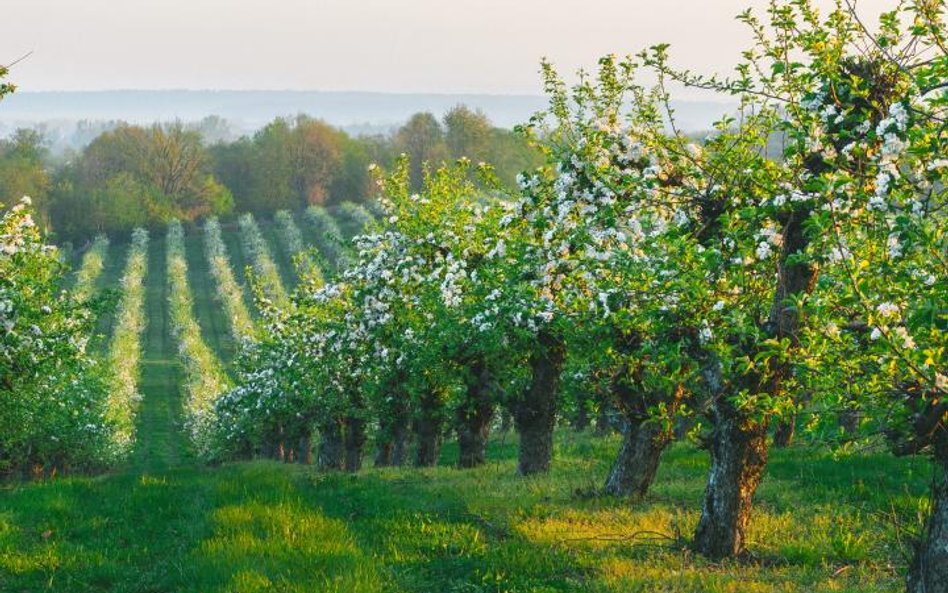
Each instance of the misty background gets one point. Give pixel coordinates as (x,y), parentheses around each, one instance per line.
(362,65)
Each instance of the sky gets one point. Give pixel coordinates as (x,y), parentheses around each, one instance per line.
(449,46)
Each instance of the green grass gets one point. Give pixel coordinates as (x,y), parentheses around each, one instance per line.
(283,261)
(165,524)
(110,278)
(820,525)
(160,441)
(238,259)
(208,311)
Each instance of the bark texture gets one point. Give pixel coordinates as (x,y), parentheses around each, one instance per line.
(604,424)
(783,433)
(394,435)
(355,443)
(581,419)
(331,455)
(473,417)
(429,426)
(305,449)
(928,572)
(738,458)
(535,412)
(634,469)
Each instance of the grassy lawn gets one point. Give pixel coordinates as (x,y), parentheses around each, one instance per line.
(820,525)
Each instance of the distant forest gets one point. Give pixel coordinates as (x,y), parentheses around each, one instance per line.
(132,175)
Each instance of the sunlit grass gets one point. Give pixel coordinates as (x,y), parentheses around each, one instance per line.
(820,525)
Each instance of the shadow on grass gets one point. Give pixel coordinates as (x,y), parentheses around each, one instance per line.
(263,526)
(240,528)
(431,537)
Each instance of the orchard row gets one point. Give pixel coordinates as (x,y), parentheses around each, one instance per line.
(717,287)
(73,402)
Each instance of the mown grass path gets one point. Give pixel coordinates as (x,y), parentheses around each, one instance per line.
(283,261)
(208,311)
(238,260)
(159,436)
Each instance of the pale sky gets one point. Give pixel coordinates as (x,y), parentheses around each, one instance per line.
(484,46)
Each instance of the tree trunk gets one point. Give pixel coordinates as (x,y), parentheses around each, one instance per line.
(794,277)
(354,442)
(928,572)
(506,420)
(603,420)
(393,438)
(394,422)
(783,433)
(305,447)
(428,428)
(383,454)
(738,458)
(402,445)
(474,415)
(331,447)
(429,445)
(635,468)
(849,422)
(581,419)
(739,444)
(645,436)
(535,412)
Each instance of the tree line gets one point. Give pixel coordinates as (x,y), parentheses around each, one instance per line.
(134,176)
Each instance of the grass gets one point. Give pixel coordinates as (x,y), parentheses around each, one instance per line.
(166,524)
(820,525)
(281,258)
(238,259)
(110,278)
(209,312)
(160,441)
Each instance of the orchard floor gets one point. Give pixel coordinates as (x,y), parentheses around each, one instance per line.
(820,525)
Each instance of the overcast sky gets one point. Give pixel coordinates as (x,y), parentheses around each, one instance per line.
(460,46)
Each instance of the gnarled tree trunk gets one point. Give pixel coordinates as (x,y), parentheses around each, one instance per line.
(474,415)
(354,442)
(644,441)
(604,424)
(331,455)
(402,446)
(739,443)
(393,434)
(738,458)
(305,448)
(783,433)
(535,412)
(429,425)
(634,469)
(581,419)
(928,572)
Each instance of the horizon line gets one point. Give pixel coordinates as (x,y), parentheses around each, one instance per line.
(21,91)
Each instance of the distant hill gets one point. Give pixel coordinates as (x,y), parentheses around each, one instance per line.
(59,113)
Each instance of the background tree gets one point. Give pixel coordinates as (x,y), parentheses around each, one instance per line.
(422,139)
(467,134)
(132,176)
(23,169)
